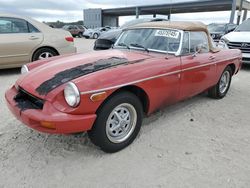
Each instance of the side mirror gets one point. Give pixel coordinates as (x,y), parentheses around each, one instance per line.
(198,50)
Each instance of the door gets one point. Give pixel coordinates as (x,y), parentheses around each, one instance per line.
(73,30)
(18,38)
(197,64)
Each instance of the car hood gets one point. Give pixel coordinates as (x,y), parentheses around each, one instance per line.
(238,36)
(43,79)
(220,33)
(111,35)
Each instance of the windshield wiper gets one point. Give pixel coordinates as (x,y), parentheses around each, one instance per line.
(139,46)
(123,44)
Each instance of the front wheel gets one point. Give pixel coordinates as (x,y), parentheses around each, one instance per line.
(118,122)
(221,88)
(95,36)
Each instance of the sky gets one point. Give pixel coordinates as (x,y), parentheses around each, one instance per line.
(72,10)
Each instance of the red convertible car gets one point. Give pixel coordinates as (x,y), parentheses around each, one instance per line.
(106,93)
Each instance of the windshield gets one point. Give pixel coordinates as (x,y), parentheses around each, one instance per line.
(165,40)
(245,26)
(216,28)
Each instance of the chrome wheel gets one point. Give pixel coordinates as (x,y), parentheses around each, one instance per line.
(95,36)
(45,55)
(121,123)
(224,82)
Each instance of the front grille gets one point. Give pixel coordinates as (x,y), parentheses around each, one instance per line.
(26,100)
(246,59)
(244,47)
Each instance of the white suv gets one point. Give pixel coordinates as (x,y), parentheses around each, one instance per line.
(239,39)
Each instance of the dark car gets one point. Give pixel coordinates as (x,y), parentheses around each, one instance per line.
(107,39)
(217,30)
(75,30)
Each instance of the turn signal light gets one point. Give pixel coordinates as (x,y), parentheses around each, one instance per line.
(98,96)
(69,39)
(48,125)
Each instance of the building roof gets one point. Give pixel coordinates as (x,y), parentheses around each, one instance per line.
(175,7)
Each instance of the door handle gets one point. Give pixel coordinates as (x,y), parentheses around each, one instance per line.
(211,57)
(33,38)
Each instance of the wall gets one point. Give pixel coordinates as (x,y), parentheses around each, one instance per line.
(92,18)
(110,21)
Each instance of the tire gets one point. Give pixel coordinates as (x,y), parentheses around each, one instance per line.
(217,91)
(95,36)
(43,53)
(128,128)
(80,35)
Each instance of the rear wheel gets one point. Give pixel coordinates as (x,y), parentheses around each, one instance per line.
(43,53)
(80,35)
(118,122)
(221,88)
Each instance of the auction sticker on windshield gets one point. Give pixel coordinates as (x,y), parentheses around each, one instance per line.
(167,33)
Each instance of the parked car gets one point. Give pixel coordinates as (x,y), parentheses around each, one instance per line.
(85,31)
(83,28)
(107,92)
(95,33)
(217,30)
(23,40)
(107,39)
(239,39)
(75,30)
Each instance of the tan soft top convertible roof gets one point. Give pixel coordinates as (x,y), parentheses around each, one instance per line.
(181,25)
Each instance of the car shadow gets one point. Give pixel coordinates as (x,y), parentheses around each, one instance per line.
(245,67)
(13,71)
(175,108)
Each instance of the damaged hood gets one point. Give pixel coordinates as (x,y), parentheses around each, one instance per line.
(45,78)
(238,37)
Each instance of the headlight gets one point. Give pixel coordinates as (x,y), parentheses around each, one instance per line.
(223,43)
(71,94)
(24,69)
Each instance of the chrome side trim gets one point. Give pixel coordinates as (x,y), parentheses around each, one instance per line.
(154,77)
(130,83)
(18,55)
(196,67)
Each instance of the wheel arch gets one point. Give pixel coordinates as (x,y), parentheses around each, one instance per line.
(41,47)
(138,91)
(233,67)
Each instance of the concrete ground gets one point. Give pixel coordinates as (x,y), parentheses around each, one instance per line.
(199,143)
